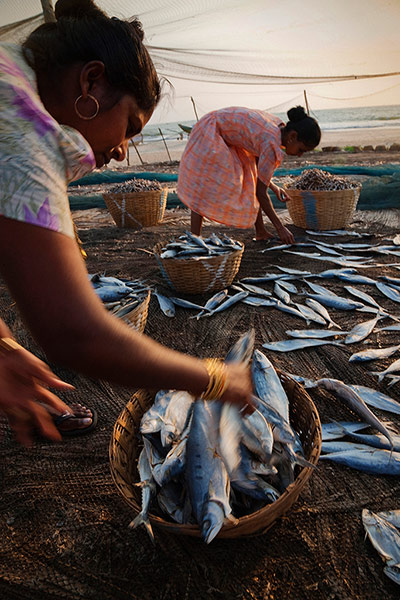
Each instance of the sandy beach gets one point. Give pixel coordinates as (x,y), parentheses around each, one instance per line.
(156,152)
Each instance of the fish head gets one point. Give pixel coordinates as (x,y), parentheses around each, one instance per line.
(212,521)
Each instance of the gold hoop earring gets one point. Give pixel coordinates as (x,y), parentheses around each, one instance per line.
(80,114)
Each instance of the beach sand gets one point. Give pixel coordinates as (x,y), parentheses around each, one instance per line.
(157,152)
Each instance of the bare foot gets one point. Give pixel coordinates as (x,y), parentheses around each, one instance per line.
(81,420)
(261,236)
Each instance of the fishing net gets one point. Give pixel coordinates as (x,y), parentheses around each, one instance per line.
(64,524)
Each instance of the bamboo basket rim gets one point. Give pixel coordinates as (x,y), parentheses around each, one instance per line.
(276,509)
(352,189)
(208,257)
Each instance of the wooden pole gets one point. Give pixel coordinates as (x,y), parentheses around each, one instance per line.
(165,144)
(194,107)
(137,152)
(48,11)
(305,98)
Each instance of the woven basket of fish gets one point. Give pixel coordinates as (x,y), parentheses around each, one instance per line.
(137,203)
(228,507)
(127,300)
(195,265)
(321,201)
(134,312)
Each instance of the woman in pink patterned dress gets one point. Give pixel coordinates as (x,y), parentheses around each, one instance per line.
(226,168)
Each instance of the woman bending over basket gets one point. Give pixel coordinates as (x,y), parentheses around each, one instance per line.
(71,98)
(231,155)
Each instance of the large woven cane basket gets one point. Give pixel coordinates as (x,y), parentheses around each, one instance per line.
(137,209)
(200,275)
(322,210)
(125,448)
(137,318)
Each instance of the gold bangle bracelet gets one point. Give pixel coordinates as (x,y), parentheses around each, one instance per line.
(218,382)
(7,344)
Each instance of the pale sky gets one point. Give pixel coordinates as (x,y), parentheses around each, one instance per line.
(261,40)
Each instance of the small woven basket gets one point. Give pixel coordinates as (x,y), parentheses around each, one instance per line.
(322,210)
(137,209)
(125,448)
(137,318)
(200,275)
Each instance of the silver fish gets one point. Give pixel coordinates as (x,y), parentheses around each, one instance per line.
(339,446)
(206,476)
(166,305)
(356,278)
(390,328)
(388,291)
(173,464)
(373,354)
(393,572)
(337,302)
(289,287)
(212,303)
(319,289)
(176,416)
(148,486)
(380,462)
(293,271)
(314,333)
(391,280)
(393,368)
(281,293)
(377,399)
(257,301)
(230,301)
(383,535)
(355,402)
(330,273)
(152,419)
(321,310)
(267,384)
(361,331)
(376,441)
(299,344)
(363,296)
(310,314)
(170,500)
(338,429)
(186,303)
(256,290)
(291,310)
(393,516)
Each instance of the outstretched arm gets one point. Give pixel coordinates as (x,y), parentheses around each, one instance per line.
(266,204)
(48,279)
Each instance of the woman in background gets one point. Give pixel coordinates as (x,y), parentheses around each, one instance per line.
(70,99)
(231,155)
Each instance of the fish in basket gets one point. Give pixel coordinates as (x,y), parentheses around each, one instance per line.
(137,203)
(128,300)
(321,201)
(201,469)
(192,264)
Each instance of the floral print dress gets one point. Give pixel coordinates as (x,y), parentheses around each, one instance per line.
(227,150)
(38,156)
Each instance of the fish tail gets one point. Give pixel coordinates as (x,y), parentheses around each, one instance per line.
(142,519)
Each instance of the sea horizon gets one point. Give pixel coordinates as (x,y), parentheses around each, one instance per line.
(333,119)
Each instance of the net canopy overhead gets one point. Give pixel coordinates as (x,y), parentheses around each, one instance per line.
(258,41)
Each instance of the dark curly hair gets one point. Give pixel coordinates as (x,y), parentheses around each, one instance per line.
(82,32)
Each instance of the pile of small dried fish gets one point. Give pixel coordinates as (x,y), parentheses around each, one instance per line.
(202,462)
(135,185)
(194,246)
(120,296)
(316,179)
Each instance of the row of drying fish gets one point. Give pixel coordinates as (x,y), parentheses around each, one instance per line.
(383,530)
(119,296)
(203,462)
(194,246)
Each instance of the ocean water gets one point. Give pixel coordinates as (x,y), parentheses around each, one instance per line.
(336,119)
